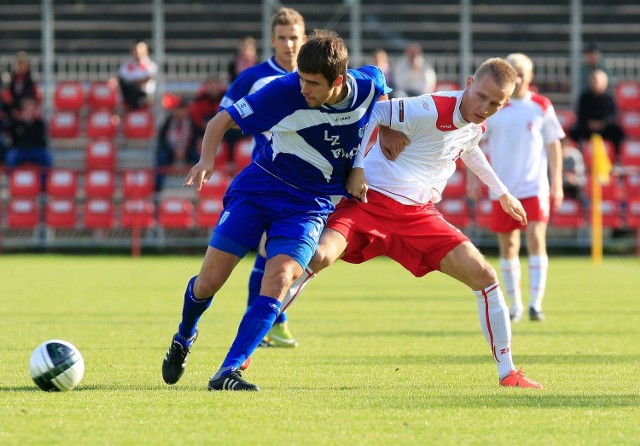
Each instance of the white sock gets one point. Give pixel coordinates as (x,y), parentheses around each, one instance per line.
(296,287)
(538,267)
(496,326)
(511,278)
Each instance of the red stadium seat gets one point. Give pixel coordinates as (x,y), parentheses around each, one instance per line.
(138,183)
(68,96)
(222,156)
(611,214)
(23,213)
(483,210)
(99,183)
(216,186)
(98,214)
(447,86)
(456,185)
(630,122)
(632,185)
(242,153)
(627,95)
(102,124)
(175,213)
(569,215)
(62,183)
(455,211)
(633,213)
(567,118)
(24,182)
(100,154)
(138,213)
(103,95)
(630,153)
(138,124)
(610,191)
(208,212)
(61,213)
(64,124)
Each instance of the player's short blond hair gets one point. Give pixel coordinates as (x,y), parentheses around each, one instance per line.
(500,70)
(287,16)
(519,60)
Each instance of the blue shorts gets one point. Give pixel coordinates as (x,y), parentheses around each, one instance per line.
(256,202)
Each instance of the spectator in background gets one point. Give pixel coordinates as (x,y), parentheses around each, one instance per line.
(177,140)
(246,57)
(205,105)
(597,112)
(413,74)
(380,59)
(28,137)
(137,77)
(3,130)
(574,176)
(20,85)
(592,60)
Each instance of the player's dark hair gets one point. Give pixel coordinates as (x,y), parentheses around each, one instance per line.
(324,53)
(286,16)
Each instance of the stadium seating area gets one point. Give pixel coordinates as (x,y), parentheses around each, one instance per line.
(100,192)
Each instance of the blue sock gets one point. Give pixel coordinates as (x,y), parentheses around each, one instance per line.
(192,309)
(281,319)
(255,324)
(255,279)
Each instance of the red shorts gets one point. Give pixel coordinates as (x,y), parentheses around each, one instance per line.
(417,237)
(536,210)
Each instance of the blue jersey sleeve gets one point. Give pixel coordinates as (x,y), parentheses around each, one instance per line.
(375,73)
(263,110)
(237,90)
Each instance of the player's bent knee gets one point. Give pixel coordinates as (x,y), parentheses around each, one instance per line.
(486,275)
(206,287)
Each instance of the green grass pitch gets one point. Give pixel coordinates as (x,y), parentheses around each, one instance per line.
(384,359)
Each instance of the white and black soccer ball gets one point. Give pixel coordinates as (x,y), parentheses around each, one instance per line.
(56,366)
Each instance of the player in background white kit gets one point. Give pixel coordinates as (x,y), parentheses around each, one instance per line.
(398,218)
(523,145)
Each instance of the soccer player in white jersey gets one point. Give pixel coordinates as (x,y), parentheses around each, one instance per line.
(398,219)
(287,36)
(317,117)
(524,148)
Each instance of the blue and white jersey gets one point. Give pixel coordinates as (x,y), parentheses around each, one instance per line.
(312,149)
(249,81)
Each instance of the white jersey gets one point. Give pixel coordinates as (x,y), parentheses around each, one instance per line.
(516,143)
(439,136)
(134,70)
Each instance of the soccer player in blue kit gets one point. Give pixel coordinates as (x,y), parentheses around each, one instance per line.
(317,118)
(287,36)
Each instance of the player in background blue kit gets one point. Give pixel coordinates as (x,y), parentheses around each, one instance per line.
(317,117)
(287,36)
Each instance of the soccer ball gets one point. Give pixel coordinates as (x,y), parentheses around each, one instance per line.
(56,366)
